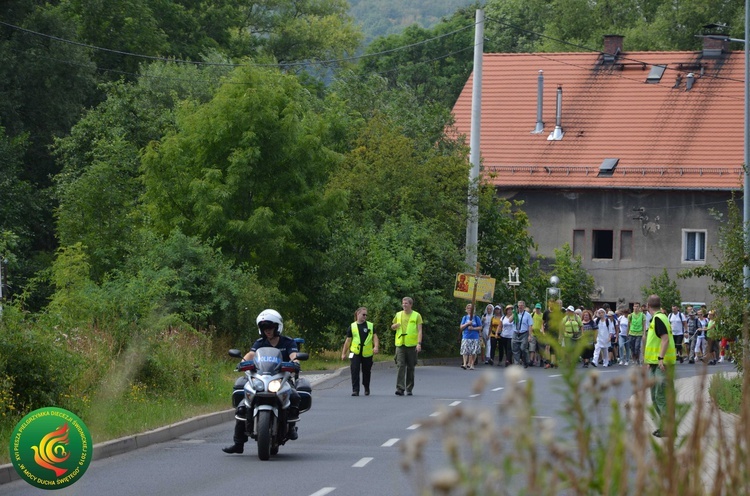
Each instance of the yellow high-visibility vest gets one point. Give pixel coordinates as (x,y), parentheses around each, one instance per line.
(410,335)
(653,343)
(356,345)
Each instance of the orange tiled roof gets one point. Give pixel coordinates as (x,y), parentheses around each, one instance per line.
(664,136)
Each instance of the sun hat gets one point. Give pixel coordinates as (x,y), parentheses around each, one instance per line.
(538,305)
(570,308)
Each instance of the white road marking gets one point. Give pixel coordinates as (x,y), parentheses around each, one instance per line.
(435,414)
(474,395)
(413,427)
(390,442)
(455,403)
(364,461)
(323,491)
(555,375)
(498,389)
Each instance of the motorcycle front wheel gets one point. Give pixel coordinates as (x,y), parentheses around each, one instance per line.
(264,434)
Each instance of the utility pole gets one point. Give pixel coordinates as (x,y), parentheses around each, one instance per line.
(472,224)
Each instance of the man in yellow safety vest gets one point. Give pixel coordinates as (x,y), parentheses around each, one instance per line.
(660,356)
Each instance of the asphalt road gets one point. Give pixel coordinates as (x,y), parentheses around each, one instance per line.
(347,445)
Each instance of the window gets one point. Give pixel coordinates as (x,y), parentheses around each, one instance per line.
(626,245)
(655,74)
(579,237)
(693,246)
(603,242)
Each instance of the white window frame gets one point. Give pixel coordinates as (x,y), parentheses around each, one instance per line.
(685,233)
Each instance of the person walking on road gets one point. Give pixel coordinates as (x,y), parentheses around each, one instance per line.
(408,326)
(471,326)
(486,327)
(496,328)
(660,355)
(361,343)
(637,324)
(522,335)
(506,338)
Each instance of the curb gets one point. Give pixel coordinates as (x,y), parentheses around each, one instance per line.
(113,447)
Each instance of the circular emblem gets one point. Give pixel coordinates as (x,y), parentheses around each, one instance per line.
(51,448)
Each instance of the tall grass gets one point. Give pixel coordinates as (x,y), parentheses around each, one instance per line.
(599,448)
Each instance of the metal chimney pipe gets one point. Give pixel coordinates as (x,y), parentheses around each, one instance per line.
(539,100)
(558,133)
(690,80)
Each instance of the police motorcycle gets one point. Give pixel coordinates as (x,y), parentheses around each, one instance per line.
(262,398)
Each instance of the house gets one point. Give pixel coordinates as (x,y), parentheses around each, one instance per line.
(625,156)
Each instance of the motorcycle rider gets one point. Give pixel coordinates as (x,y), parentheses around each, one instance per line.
(270,327)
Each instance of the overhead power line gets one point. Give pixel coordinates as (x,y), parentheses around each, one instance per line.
(193,62)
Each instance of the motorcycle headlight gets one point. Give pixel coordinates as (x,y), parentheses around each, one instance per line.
(258,385)
(274,385)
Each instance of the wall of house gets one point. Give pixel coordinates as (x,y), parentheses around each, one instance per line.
(626,237)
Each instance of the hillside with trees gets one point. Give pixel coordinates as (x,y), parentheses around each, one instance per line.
(383,17)
(169,168)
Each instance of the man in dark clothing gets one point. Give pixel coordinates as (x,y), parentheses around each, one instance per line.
(270,327)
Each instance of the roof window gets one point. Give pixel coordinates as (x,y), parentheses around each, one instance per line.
(607,169)
(655,74)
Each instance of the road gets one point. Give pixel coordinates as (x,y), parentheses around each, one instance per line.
(347,445)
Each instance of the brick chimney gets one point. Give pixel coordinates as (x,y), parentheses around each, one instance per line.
(713,47)
(612,47)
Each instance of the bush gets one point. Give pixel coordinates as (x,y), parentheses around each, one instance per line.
(35,362)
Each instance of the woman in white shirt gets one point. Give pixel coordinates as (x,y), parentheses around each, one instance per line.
(506,337)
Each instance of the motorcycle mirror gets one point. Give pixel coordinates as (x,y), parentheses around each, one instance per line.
(235,353)
(303,356)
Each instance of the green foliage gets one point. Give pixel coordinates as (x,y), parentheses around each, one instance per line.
(31,354)
(246,170)
(424,67)
(576,285)
(385,17)
(726,277)
(399,235)
(99,187)
(294,31)
(727,392)
(505,242)
(377,266)
(665,288)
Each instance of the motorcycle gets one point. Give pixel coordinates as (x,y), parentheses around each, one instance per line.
(262,398)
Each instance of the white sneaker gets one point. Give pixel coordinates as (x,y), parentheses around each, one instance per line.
(721,359)
(626,364)
(619,362)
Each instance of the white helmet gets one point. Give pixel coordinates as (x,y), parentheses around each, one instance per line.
(273,317)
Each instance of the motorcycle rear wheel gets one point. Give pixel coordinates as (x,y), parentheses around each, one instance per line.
(264,434)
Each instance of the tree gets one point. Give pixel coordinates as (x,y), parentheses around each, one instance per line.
(247,171)
(99,187)
(400,231)
(504,242)
(437,69)
(727,279)
(576,285)
(295,30)
(665,288)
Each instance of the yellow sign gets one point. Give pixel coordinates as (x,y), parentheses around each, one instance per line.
(464,287)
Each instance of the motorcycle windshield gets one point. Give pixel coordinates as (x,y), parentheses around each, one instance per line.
(267,360)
